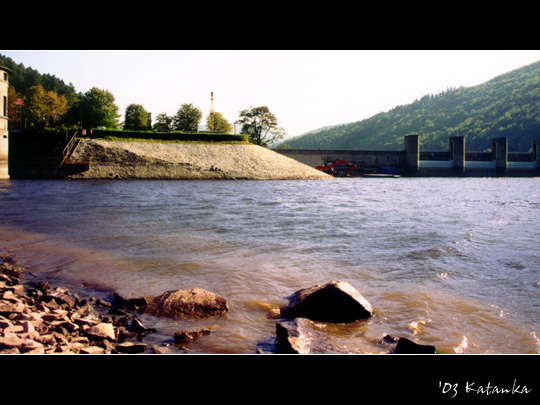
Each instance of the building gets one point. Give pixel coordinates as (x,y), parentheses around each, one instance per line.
(4,143)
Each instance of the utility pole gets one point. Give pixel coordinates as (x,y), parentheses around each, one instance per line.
(212,111)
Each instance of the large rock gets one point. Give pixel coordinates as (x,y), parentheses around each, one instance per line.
(302,336)
(186,336)
(293,336)
(406,346)
(336,301)
(192,303)
(131,303)
(101,331)
(131,347)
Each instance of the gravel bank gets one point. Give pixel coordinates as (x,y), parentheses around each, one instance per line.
(37,318)
(149,160)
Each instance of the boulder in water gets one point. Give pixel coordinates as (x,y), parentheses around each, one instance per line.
(303,336)
(407,346)
(336,301)
(192,303)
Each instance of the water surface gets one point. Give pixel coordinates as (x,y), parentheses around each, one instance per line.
(452,262)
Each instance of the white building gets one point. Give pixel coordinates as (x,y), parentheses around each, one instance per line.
(4,73)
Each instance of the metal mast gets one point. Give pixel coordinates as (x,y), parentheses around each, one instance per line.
(212,111)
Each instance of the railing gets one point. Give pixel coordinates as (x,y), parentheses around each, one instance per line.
(434,155)
(520,157)
(68,150)
(479,156)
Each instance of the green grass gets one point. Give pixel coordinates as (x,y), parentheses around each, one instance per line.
(168,137)
(172,141)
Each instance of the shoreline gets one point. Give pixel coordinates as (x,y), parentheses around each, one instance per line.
(37,318)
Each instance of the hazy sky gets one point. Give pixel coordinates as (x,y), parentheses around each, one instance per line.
(305,89)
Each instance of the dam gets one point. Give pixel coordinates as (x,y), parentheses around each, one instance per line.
(412,161)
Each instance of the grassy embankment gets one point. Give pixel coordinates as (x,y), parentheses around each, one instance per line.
(170,137)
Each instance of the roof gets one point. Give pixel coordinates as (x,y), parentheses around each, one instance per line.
(5,68)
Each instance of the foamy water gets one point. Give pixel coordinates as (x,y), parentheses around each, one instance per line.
(449,262)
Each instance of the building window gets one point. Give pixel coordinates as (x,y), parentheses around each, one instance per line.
(4,109)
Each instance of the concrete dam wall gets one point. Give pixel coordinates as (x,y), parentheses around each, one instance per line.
(412,160)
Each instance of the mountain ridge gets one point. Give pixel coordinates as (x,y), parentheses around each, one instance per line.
(506,106)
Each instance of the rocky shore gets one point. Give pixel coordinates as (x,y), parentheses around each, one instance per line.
(41,319)
(37,318)
(155,160)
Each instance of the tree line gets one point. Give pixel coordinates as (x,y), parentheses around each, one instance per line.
(42,102)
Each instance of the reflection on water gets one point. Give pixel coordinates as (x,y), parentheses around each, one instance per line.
(448,262)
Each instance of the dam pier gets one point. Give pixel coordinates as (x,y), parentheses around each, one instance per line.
(412,161)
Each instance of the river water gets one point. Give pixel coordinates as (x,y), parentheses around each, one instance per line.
(452,262)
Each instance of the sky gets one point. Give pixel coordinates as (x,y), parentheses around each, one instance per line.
(304,89)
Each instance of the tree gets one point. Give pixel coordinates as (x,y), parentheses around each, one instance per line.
(216,123)
(42,109)
(15,104)
(187,118)
(57,107)
(163,123)
(35,108)
(136,118)
(260,125)
(98,109)
(22,79)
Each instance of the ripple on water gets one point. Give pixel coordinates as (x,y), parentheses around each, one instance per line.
(440,259)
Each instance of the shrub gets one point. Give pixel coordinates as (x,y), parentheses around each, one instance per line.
(170,136)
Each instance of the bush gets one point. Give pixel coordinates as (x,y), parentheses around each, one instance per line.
(169,136)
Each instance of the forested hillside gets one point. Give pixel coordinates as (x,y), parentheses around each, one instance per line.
(506,106)
(40,100)
(23,78)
